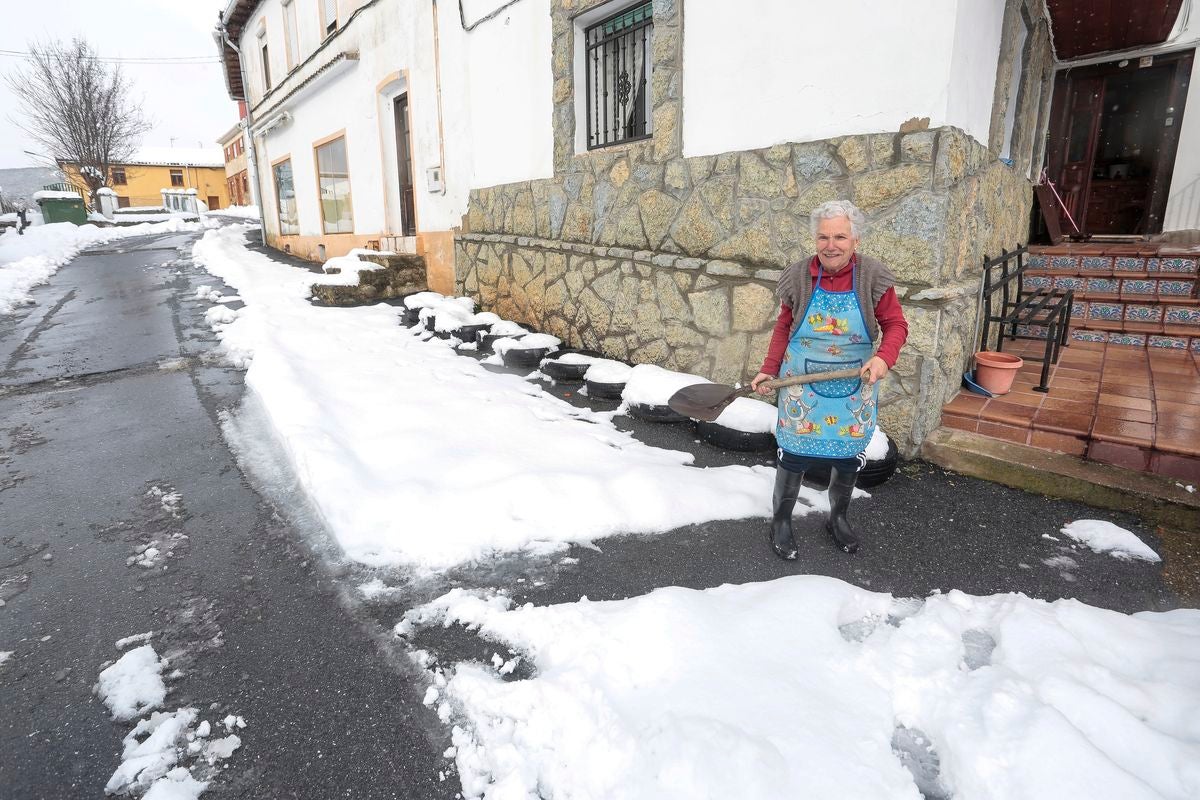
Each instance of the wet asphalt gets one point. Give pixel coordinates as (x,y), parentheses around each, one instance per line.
(112,395)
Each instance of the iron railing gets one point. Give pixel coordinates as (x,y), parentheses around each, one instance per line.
(618,77)
(1018,309)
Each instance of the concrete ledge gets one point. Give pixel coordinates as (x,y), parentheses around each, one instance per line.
(1155,498)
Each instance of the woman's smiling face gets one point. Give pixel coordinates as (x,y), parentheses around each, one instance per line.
(835,243)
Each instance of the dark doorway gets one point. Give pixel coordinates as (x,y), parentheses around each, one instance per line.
(404,168)
(1114,133)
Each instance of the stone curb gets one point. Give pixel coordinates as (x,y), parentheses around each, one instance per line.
(1060,475)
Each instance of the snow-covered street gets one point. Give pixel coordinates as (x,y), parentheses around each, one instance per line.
(421,460)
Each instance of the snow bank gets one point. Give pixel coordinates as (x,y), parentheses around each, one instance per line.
(151,750)
(246,212)
(29,260)
(650,385)
(133,684)
(375,420)
(725,693)
(607,370)
(748,415)
(1104,537)
(343,270)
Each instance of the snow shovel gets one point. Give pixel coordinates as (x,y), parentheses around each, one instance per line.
(706,401)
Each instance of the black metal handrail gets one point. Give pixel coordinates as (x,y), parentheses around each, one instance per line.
(1019,307)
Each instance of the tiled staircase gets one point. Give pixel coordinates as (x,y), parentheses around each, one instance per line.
(1142,295)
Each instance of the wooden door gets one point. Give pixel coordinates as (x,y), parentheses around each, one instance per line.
(1080,128)
(404,168)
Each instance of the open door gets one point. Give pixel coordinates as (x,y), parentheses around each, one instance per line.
(404,168)
(1115,131)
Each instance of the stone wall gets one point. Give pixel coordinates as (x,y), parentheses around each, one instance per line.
(649,256)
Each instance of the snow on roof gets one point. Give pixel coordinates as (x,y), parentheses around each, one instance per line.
(182,156)
(47,194)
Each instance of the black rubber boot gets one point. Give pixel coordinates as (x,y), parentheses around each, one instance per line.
(787,487)
(841,487)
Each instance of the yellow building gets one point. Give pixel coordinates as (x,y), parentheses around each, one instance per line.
(139,180)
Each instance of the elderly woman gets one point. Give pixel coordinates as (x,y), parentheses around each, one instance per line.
(833,307)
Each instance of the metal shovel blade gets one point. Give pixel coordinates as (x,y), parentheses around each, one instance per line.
(705,401)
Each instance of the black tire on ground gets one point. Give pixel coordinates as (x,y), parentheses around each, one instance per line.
(731,439)
(470,333)
(654,413)
(528,357)
(411,317)
(567,373)
(486,340)
(604,391)
(873,474)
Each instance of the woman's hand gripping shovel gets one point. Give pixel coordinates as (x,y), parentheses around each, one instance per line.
(706,401)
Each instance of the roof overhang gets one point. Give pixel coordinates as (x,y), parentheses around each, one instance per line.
(232,23)
(1085,28)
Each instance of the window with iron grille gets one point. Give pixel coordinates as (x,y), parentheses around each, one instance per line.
(618,77)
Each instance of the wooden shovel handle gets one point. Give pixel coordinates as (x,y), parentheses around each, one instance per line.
(812,377)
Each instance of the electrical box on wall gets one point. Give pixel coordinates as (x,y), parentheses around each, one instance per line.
(433,178)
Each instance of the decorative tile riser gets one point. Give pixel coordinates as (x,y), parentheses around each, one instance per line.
(1131,339)
(1174,265)
(1150,287)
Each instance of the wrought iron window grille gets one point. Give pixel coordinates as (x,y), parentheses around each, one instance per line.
(618,77)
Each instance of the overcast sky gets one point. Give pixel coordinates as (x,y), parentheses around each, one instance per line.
(186,103)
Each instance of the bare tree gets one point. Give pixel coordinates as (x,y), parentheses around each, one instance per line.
(78,108)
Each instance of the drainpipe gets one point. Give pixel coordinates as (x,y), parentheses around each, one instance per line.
(437,77)
(251,162)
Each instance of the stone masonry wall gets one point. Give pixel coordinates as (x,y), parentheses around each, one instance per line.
(655,258)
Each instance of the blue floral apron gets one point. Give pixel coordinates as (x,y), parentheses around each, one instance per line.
(830,419)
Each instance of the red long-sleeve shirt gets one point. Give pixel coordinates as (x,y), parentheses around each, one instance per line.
(889,315)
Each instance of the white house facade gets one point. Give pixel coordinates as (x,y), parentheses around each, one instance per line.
(631,175)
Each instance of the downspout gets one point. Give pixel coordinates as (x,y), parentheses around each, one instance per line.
(251,162)
(437,78)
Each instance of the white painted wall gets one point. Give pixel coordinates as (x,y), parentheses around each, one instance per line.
(1183,202)
(510,94)
(496,105)
(770,71)
(972,78)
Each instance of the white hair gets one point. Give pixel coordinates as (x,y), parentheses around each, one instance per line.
(840,208)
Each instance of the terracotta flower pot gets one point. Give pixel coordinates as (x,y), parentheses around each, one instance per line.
(996,371)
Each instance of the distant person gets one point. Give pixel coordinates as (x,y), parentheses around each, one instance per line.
(22,222)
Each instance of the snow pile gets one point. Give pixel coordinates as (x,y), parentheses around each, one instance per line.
(1105,537)
(133,684)
(343,270)
(374,419)
(49,194)
(29,260)
(530,341)
(245,212)
(649,385)
(151,750)
(177,784)
(717,693)
(877,448)
(507,328)
(219,315)
(5,655)
(748,415)
(574,359)
(422,299)
(608,371)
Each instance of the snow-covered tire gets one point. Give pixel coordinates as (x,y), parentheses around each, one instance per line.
(604,391)
(873,474)
(730,439)
(655,413)
(568,373)
(411,317)
(525,358)
(470,333)
(486,340)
